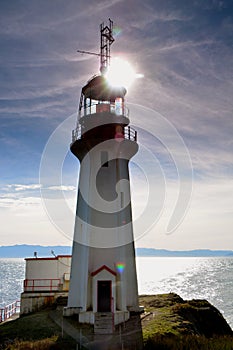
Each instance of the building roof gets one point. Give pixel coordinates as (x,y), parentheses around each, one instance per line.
(50,258)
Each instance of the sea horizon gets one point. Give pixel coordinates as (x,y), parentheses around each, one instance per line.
(27,250)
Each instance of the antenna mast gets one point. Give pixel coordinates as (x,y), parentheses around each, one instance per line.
(106,40)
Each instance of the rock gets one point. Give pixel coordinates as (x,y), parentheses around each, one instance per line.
(169,314)
(205,318)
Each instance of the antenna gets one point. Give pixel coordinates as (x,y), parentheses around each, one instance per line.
(106,40)
(52,252)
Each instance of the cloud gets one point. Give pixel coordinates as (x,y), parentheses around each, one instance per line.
(24,221)
(10,190)
(183,45)
(12,202)
(24,218)
(20,187)
(208,222)
(62,188)
(17,187)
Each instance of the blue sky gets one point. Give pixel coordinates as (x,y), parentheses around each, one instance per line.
(183,48)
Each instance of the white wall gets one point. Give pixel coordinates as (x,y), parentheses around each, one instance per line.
(47,268)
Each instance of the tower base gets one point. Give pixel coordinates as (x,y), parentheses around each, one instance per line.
(93,318)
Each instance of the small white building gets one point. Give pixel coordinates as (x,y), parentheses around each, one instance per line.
(45,280)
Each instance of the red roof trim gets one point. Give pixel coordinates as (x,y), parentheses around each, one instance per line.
(50,258)
(104,267)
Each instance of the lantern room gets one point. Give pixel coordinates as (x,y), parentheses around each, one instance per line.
(99,96)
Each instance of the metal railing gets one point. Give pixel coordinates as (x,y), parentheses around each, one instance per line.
(128,134)
(76,133)
(117,108)
(9,310)
(39,284)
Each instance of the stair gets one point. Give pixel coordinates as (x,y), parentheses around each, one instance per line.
(104,323)
(62,301)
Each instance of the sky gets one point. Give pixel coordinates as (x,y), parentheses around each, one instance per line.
(181,179)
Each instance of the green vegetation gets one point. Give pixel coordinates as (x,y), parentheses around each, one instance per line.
(160,318)
(36,331)
(188,342)
(45,344)
(162,322)
(171,323)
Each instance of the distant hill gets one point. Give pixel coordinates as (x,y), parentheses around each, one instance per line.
(183,253)
(27,251)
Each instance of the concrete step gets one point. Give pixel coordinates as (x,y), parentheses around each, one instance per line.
(104,323)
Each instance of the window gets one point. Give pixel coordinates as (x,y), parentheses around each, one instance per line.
(118,106)
(87,106)
(122,199)
(104,159)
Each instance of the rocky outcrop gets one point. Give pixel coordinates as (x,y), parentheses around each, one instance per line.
(170,314)
(204,319)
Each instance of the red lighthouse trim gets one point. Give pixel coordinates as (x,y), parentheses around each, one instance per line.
(103,267)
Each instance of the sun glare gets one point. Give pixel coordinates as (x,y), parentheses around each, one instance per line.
(120,73)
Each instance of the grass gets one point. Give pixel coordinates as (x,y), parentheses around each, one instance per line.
(44,344)
(188,342)
(161,322)
(162,319)
(36,331)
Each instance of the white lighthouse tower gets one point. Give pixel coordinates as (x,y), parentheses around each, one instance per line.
(103,278)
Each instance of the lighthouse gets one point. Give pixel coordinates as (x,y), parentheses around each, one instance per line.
(103,280)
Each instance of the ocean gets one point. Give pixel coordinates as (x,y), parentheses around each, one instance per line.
(12,272)
(191,278)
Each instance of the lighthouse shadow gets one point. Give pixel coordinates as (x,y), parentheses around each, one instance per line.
(126,336)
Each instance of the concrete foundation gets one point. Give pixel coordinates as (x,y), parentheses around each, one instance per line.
(34,301)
